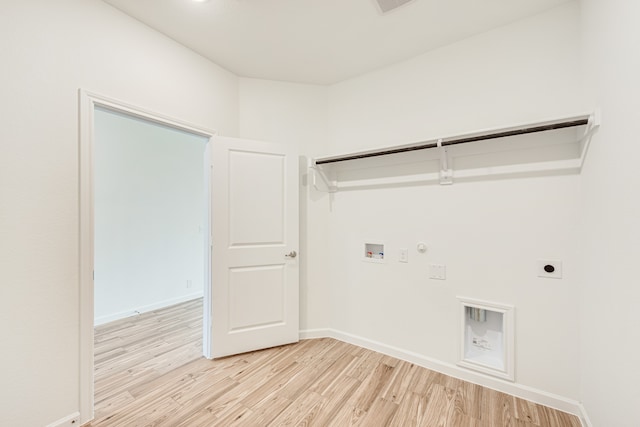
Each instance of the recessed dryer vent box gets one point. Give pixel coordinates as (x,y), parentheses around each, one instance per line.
(374,252)
(486,338)
(550,268)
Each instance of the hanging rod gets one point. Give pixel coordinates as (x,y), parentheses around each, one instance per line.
(481,136)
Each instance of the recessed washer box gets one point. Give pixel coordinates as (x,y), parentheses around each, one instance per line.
(374,252)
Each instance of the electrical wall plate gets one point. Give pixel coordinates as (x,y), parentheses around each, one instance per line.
(437,271)
(550,268)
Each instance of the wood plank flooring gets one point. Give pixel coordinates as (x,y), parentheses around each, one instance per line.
(149,372)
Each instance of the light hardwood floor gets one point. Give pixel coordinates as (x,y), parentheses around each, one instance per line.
(149,372)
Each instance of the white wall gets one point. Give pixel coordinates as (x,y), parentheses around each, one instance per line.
(149,216)
(523,72)
(296,114)
(610,333)
(49,51)
(489,233)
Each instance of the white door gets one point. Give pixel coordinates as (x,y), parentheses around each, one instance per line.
(254,264)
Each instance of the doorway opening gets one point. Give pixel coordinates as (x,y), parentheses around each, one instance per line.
(149,204)
(145,230)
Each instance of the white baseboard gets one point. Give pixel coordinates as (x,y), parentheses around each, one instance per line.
(146,308)
(534,395)
(315,333)
(72,420)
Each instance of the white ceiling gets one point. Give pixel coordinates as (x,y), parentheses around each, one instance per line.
(321,41)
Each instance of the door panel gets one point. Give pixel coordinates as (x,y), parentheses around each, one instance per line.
(254,196)
(256,297)
(254,226)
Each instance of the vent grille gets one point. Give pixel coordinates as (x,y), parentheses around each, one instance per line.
(389,5)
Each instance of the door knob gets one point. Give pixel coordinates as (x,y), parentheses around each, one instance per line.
(291,254)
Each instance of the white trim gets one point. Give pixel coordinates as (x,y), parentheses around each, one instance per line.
(508,340)
(307,334)
(146,308)
(584,417)
(143,113)
(208,244)
(68,421)
(87,103)
(529,393)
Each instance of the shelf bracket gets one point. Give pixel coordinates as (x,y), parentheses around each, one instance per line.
(446,173)
(585,140)
(319,179)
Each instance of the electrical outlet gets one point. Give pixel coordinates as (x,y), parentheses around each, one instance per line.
(403,255)
(550,269)
(189,283)
(437,271)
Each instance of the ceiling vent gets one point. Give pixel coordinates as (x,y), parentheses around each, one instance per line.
(388,5)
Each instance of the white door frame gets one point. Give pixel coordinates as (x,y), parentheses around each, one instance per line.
(88,102)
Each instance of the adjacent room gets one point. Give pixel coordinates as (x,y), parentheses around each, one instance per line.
(319,212)
(149,204)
